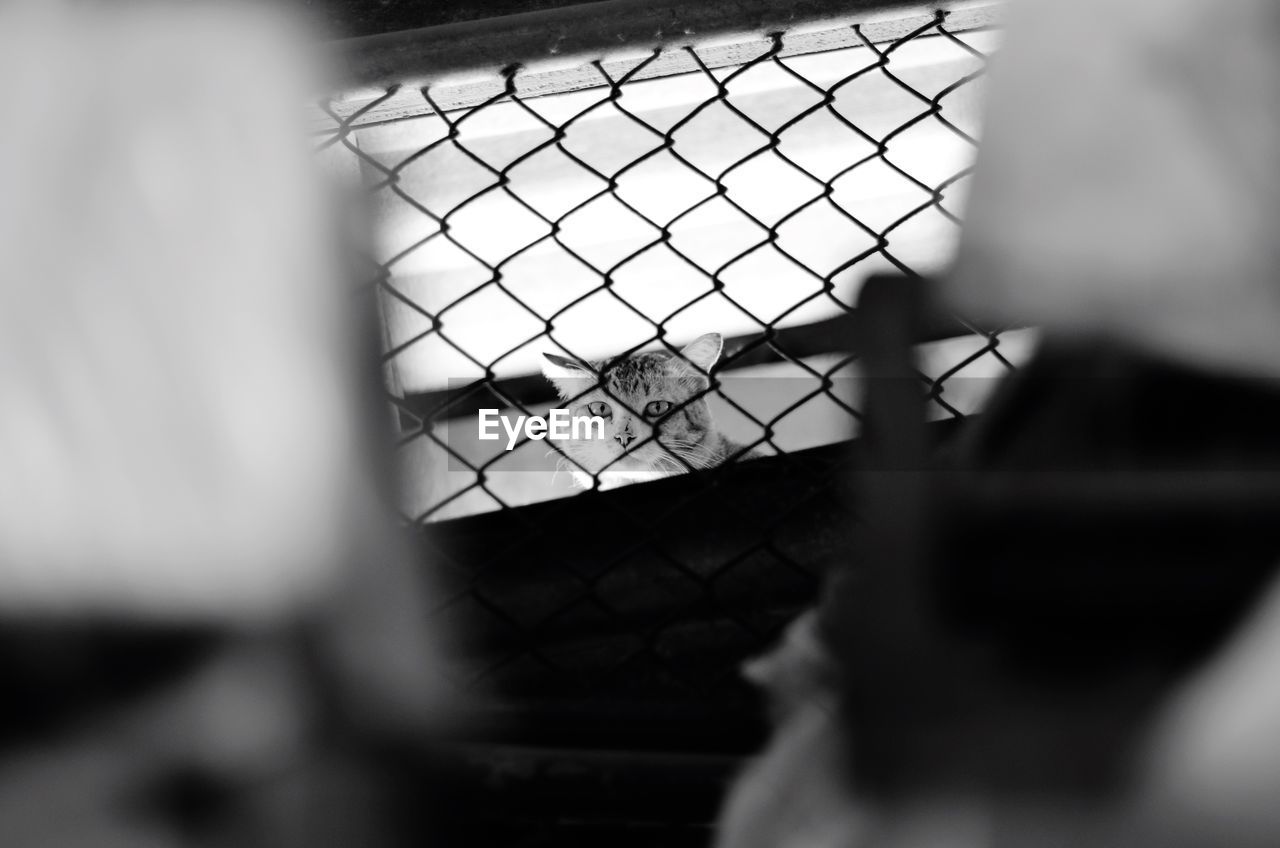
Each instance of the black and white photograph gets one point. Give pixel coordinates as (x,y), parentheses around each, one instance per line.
(640,424)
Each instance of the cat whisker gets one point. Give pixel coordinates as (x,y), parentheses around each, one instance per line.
(698,459)
(681,445)
(561,465)
(672,440)
(669,463)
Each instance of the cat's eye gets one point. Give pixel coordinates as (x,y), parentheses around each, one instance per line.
(598,408)
(657,407)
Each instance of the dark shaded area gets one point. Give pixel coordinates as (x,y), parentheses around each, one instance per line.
(1019,606)
(355,18)
(618,619)
(608,630)
(491,45)
(58,674)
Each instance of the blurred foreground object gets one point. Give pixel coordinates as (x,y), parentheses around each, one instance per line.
(1127,182)
(1214,769)
(1028,636)
(177,434)
(800,792)
(210,626)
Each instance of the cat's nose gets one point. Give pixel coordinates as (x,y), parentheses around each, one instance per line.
(624,439)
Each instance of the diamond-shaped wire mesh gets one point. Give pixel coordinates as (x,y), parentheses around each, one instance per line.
(639,212)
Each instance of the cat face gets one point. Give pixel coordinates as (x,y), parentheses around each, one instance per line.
(656,419)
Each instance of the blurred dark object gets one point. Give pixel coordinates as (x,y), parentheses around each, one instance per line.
(355,18)
(1111,507)
(1024,601)
(55,673)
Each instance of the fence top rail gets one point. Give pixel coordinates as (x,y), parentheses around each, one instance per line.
(549,48)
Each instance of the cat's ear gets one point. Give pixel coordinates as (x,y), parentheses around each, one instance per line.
(704,351)
(570,377)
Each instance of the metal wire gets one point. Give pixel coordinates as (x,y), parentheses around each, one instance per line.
(689,591)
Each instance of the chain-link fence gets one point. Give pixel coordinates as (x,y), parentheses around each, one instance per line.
(638,203)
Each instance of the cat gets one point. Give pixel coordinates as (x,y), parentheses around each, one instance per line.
(656,419)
